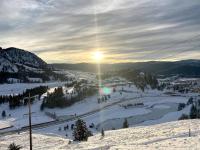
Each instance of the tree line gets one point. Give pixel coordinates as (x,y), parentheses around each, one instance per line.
(140,79)
(23,76)
(59,99)
(18,100)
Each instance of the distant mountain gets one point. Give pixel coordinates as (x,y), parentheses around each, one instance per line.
(14,60)
(17,65)
(186,68)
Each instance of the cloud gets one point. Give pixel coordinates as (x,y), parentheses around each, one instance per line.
(125,30)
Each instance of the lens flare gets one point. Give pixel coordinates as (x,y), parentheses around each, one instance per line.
(105,91)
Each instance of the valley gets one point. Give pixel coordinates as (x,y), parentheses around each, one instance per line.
(154,107)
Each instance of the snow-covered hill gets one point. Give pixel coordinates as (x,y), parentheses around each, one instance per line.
(20,66)
(7,66)
(14,60)
(170,136)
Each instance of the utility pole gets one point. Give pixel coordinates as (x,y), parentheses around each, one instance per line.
(30,127)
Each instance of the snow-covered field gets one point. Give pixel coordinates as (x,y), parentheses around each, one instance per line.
(17,88)
(5,124)
(156,107)
(19,117)
(170,136)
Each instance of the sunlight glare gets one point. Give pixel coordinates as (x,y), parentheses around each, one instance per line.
(98,56)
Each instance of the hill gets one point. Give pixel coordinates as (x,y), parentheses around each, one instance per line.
(17,65)
(16,60)
(186,68)
(172,135)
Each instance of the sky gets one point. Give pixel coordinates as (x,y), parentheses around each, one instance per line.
(71,31)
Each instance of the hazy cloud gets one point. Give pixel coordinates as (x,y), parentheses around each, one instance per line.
(125,30)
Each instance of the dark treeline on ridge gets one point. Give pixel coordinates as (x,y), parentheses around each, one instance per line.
(140,79)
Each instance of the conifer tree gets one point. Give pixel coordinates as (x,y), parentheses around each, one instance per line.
(125,124)
(3,114)
(193,112)
(81,132)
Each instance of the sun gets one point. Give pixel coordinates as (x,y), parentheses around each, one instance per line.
(98,56)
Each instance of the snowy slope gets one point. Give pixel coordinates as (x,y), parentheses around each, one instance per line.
(7,66)
(20,66)
(170,136)
(19,58)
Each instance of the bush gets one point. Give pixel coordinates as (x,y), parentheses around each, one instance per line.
(13,146)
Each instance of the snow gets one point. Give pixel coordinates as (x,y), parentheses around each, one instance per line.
(161,106)
(115,112)
(108,114)
(17,88)
(170,136)
(13,80)
(90,104)
(4,124)
(35,80)
(172,116)
(19,116)
(158,108)
(7,65)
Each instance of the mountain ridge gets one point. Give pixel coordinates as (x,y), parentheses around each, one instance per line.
(18,65)
(189,67)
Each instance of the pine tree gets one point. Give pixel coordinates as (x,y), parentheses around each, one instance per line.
(125,124)
(184,117)
(190,101)
(81,132)
(193,112)
(3,114)
(13,146)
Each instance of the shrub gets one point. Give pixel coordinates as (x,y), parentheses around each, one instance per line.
(13,146)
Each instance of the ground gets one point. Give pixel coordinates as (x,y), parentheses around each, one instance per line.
(170,136)
(157,107)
